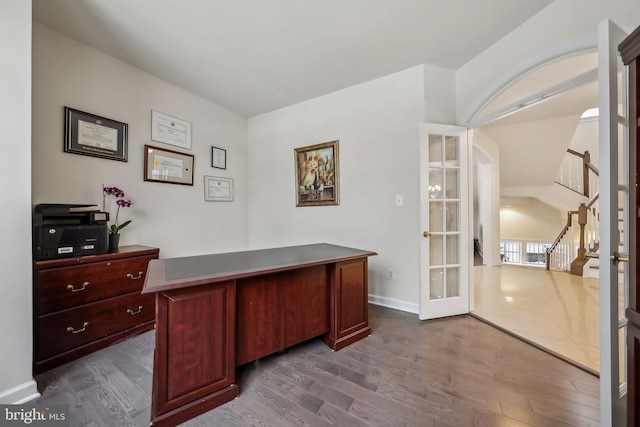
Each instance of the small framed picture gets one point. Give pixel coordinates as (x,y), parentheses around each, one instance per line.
(170,130)
(218,158)
(317,175)
(95,136)
(171,167)
(218,189)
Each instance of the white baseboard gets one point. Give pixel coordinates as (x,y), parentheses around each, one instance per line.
(396,304)
(20,394)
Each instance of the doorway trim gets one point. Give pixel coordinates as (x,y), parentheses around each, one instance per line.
(519,72)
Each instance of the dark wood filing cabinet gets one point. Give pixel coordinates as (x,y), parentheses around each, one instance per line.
(83,304)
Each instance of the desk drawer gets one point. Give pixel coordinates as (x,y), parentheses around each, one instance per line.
(67,287)
(67,329)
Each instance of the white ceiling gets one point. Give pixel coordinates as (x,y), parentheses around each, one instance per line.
(254,56)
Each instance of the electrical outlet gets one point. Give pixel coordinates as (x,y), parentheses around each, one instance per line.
(399,200)
(391,274)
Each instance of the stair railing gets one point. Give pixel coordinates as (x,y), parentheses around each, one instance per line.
(574,172)
(592,232)
(581,233)
(588,216)
(563,250)
(594,180)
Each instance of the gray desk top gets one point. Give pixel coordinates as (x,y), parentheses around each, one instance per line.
(174,273)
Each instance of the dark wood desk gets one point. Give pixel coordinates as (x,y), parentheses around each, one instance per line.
(215,312)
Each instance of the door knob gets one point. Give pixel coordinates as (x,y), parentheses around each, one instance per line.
(426,234)
(617,257)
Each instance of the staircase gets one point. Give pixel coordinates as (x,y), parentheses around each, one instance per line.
(581,232)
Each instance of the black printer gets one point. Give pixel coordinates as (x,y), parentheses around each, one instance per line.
(63,231)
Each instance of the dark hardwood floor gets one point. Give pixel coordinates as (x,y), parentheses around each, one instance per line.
(456,371)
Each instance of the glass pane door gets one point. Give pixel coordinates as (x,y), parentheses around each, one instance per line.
(444,202)
(444,194)
(614,205)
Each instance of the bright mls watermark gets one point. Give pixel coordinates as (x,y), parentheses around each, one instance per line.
(22,415)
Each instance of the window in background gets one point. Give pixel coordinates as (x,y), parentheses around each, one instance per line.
(524,253)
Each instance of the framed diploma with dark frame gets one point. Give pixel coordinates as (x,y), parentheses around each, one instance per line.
(168,166)
(218,158)
(91,135)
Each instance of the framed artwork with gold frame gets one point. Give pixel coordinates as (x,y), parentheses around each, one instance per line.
(317,175)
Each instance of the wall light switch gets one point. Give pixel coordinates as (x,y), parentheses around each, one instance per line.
(399,200)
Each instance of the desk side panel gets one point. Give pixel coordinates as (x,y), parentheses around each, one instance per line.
(194,359)
(349,301)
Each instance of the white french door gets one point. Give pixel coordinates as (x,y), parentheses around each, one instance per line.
(444,213)
(614,244)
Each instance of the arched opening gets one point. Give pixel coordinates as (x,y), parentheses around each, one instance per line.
(521,135)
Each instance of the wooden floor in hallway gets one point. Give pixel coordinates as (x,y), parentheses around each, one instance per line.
(452,372)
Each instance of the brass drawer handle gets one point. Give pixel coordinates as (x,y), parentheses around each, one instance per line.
(73,331)
(132,277)
(133,313)
(73,288)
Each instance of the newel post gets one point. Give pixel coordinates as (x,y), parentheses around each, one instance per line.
(577,266)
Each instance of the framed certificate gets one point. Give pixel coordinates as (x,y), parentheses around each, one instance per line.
(170,130)
(95,136)
(218,158)
(218,189)
(171,167)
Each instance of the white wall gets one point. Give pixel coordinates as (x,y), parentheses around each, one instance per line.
(530,220)
(439,95)
(377,124)
(16,382)
(486,155)
(586,139)
(174,218)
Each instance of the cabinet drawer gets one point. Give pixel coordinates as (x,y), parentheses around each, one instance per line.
(66,287)
(67,329)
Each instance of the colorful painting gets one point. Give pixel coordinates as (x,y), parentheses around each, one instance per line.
(317,177)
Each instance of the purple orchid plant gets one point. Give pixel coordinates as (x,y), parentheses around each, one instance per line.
(121,202)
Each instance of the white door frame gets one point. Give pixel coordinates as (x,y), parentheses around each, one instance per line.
(447,306)
(612,404)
